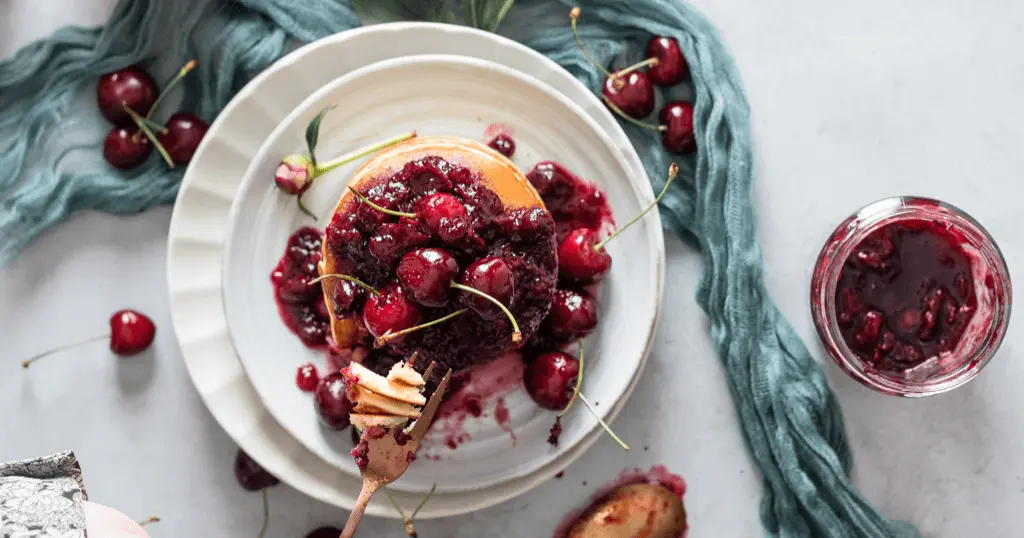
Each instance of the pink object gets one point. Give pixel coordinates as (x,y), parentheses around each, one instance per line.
(103,522)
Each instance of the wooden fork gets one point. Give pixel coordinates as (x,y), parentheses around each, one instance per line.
(389,459)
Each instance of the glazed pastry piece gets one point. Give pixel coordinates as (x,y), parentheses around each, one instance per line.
(454,206)
(647,510)
(385,402)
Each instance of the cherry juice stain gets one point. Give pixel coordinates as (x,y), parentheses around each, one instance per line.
(477,388)
(658,474)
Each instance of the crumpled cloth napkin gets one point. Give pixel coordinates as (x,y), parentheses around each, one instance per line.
(45,498)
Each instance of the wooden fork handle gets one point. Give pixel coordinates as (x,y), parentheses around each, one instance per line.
(369,488)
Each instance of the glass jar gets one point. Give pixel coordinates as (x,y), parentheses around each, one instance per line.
(846,321)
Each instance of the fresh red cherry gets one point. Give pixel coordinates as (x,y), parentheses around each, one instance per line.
(184,133)
(503,144)
(632,93)
(331,402)
(671,68)
(130,86)
(426,273)
(131,332)
(390,311)
(250,475)
(344,295)
(325,532)
(492,276)
(677,119)
(627,91)
(550,378)
(307,377)
(579,259)
(444,216)
(573,314)
(126,148)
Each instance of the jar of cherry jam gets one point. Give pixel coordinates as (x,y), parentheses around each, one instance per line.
(911,296)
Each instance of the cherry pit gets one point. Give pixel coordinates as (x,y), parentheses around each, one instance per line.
(127,98)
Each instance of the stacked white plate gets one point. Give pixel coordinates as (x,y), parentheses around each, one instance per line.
(230,225)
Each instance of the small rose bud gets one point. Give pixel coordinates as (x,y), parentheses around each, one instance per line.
(293,175)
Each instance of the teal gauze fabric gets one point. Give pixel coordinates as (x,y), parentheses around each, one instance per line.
(790,419)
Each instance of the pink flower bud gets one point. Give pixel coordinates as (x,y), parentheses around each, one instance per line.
(293,175)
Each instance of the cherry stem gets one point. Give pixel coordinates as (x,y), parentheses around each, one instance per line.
(602,422)
(575,14)
(673,169)
(608,102)
(303,208)
(141,122)
(320,169)
(162,129)
(152,519)
(579,383)
(351,279)
(266,513)
(516,335)
(382,340)
(424,501)
(367,201)
(27,362)
(410,529)
(639,65)
(174,81)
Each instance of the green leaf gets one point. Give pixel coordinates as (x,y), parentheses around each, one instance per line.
(313,134)
(495,20)
(485,14)
(400,10)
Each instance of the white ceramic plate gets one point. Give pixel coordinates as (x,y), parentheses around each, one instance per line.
(199,224)
(437,95)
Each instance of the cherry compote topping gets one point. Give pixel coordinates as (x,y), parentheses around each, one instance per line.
(905,295)
(579,260)
(458,222)
(550,379)
(503,144)
(331,402)
(573,315)
(131,86)
(671,68)
(390,311)
(444,216)
(307,377)
(426,273)
(492,276)
(126,148)
(184,133)
(573,202)
(296,298)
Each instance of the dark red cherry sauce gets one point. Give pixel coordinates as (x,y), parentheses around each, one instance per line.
(300,304)
(905,294)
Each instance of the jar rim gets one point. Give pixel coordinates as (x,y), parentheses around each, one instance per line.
(840,246)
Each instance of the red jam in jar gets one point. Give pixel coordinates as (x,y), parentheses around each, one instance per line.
(911,296)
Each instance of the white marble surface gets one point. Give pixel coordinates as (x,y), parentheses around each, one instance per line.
(852,102)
